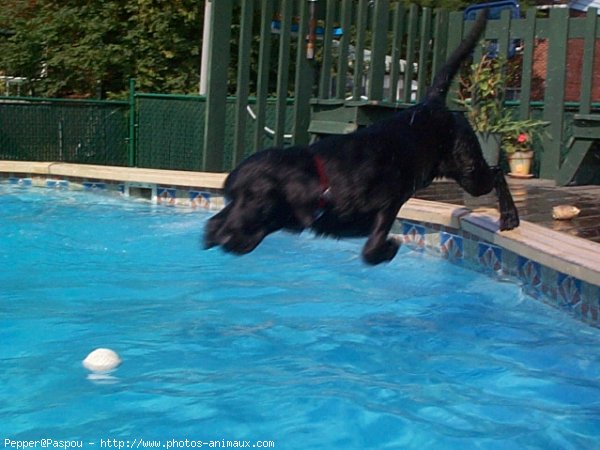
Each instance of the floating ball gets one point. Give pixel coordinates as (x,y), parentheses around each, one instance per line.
(102,360)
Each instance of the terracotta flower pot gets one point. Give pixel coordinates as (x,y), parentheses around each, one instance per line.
(520,164)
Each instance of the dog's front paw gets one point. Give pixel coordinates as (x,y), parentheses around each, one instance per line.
(509,220)
(382,253)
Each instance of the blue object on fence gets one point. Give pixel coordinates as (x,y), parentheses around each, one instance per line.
(494,12)
(319,31)
(495,9)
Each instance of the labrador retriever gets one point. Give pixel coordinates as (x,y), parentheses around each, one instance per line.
(353,185)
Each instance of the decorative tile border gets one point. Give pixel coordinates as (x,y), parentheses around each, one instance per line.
(530,274)
(578,298)
(452,246)
(190,197)
(567,292)
(489,257)
(94,185)
(200,199)
(24,182)
(166,196)
(413,235)
(57,184)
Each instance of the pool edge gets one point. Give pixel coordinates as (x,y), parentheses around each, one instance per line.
(563,269)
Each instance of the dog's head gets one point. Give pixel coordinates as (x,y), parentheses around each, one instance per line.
(263,195)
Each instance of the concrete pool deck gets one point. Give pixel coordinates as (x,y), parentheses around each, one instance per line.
(534,199)
(559,259)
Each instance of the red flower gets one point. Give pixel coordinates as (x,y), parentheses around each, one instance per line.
(522,138)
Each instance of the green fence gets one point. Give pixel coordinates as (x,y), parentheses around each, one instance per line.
(168,131)
(171,131)
(268,88)
(63,130)
(383,53)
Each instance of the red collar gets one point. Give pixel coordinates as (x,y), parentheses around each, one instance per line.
(323,181)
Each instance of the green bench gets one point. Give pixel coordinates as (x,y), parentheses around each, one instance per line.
(334,116)
(586,131)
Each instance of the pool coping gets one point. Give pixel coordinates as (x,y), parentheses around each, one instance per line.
(530,250)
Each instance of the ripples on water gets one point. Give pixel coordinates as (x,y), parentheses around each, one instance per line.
(298,342)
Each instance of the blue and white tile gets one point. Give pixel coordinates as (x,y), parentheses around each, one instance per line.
(452,246)
(413,235)
(530,273)
(200,199)
(94,186)
(22,182)
(489,256)
(568,290)
(57,184)
(166,196)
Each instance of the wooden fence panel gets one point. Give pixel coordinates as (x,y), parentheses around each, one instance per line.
(303,81)
(527,62)
(373,54)
(283,71)
(243,80)
(264,61)
(398,28)
(587,71)
(378,49)
(361,35)
(424,52)
(344,48)
(214,135)
(327,59)
(558,29)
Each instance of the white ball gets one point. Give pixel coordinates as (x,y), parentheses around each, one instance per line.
(102,360)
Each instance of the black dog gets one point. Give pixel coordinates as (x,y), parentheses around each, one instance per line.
(355,184)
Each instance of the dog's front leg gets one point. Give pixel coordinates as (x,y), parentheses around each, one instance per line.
(379,247)
(509,216)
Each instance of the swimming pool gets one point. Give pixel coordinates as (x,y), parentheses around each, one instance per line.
(297,344)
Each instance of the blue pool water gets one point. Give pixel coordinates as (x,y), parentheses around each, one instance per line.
(297,344)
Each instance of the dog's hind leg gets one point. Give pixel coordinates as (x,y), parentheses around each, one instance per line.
(509,216)
(379,247)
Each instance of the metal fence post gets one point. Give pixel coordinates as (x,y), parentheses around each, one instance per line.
(131,148)
(214,126)
(554,96)
(378,49)
(243,82)
(303,81)
(262,82)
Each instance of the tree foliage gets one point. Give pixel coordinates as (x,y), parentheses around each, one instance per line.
(86,48)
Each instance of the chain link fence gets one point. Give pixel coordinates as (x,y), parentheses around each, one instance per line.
(65,131)
(169,131)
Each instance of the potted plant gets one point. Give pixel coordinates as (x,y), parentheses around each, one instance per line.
(517,142)
(482,94)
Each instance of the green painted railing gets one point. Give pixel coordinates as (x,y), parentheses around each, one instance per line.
(387,53)
(290,64)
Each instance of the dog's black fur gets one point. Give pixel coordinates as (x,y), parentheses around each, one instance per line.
(354,184)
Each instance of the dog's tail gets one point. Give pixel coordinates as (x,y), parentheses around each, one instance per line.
(441,83)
